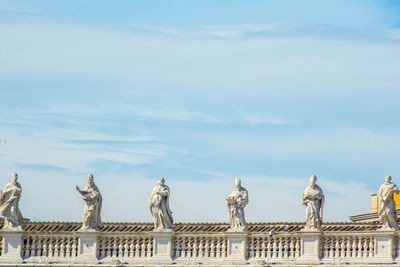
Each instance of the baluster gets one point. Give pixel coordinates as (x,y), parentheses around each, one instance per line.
(342,247)
(63,247)
(251,248)
(69,247)
(148,247)
(207,251)
(184,246)
(212,247)
(115,246)
(177,247)
(330,244)
(76,246)
(366,242)
(102,247)
(31,246)
(25,247)
(191,247)
(107,247)
(129,247)
(371,247)
(196,251)
(51,247)
(279,247)
(354,247)
(225,247)
(143,248)
(326,247)
(56,247)
(44,247)
(349,247)
(336,247)
(177,251)
(137,247)
(218,248)
(291,248)
(40,246)
(263,253)
(120,245)
(126,247)
(201,247)
(255,247)
(275,241)
(268,249)
(284,246)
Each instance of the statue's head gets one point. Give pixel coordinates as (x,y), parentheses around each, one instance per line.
(313,179)
(388,178)
(238,183)
(14,177)
(161,181)
(90,179)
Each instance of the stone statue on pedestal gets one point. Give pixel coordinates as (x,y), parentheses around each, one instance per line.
(92,197)
(313,198)
(9,200)
(386,205)
(159,206)
(236,202)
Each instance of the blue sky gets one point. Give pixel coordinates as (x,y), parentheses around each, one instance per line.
(199,92)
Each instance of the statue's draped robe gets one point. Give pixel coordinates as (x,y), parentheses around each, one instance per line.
(313,199)
(93,201)
(237,200)
(159,208)
(387,205)
(9,205)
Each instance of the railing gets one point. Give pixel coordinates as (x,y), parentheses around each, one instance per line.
(200,246)
(125,246)
(354,245)
(279,246)
(50,246)
(160,248)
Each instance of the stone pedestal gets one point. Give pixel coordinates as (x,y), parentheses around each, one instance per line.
(162,246)
(237,247)
(87,252)
(310,246)
(12,246)
(383,246)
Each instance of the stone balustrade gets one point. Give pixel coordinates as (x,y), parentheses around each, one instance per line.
(220,247)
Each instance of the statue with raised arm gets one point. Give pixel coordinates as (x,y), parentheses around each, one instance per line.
(92,197)
(386,205)
(236,202)
(159,206)
(313,198)
(9,200)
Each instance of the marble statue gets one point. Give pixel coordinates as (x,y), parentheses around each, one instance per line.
(9,200)
(93,200)
(313,198)
(159,206)
(386,205)
(236,202)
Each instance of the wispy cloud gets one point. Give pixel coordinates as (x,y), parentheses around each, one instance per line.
(271,103)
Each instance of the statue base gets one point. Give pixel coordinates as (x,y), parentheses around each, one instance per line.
(12,245)
(237,242)
(310,246)
(88,246)
(383,245)
(162,250)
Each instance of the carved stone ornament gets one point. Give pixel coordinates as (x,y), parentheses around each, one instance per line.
(93,201)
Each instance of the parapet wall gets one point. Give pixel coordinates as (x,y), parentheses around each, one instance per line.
(208,244)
